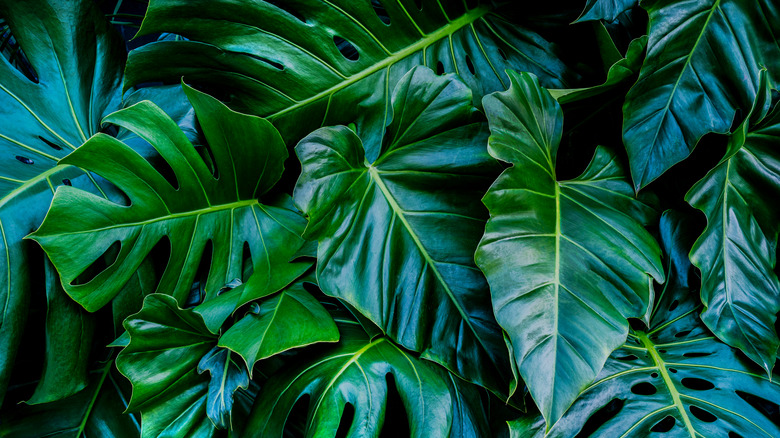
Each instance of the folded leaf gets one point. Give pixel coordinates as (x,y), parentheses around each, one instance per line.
(568,261)
(195,206)
(702,66)
(737,251)
(397,233)
(312,63)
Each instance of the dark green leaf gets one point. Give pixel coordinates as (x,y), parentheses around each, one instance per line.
(397,232)
(702,66)
(737,251)
(357,372)
(218,207)
(290,319)
(285,62)
(607,10)
(568,261)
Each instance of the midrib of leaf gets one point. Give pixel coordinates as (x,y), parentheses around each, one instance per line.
(444,31)
(195,213)
(400,212)
(675,394)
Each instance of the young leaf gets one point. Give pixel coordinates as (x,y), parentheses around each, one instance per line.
(290,319)
(227,376)
(313,63)
(358,372)
(568,261)
(397,232)
(736,252)
(198,206)
(702,65)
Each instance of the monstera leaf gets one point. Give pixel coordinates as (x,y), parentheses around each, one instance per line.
(397,232)
(290,319)
(75,74)
(736,252)
(309,63)
(194,208)
(607,10)
(702,66)
(568,261)
(361,373)
(675,378)
(169,351)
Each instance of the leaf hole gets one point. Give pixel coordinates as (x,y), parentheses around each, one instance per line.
(247,267)
(164,169)
(396,421)
(696,354)
(284,6)
(664,425)
(674,305)
(439,68)
(769,409)
(697,384)
(207,155)
(673,370)
(470,65)
(54,146)
(419,4)
(502,54)
(662,351)
(654,375)
(274,64)
(67,182)
(347,417)
(682,334)
(380,10)
(600,417)
(627,358)
(25,160)
(100,264)
(198,288)
(346,48)
(733,434)
(644,388)
(702,414)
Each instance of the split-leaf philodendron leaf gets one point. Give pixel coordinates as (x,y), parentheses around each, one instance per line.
(310,63)
(702,66)
(359,372)
(568,262)
(192,207)
(398,220)
(737,251)
(675,378)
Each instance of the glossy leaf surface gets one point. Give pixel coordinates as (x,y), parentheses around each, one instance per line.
(702,66)
(397,232)
(359,371)
(196,206)
(737,251)
(308,63)
(568,262)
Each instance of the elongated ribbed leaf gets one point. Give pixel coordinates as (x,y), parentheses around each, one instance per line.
(674,379)
(736,252)
(359,372)
(197,206)
(397,233)
(290,319)
(702,66)
(568,261)
(311,63)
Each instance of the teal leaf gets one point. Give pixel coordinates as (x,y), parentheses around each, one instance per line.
(227,376)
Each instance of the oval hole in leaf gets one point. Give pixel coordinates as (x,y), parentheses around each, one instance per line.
(67,182)
(627,358)
(654,375)
(502,54)
(769,409)
(673,370)
(644,388)
(346,48)
(696,354)
(664,425)
(702,415)
(247,267)
(439,68)
(99,265)
(470,65)
(396,421)
(697,384)
(600,417)
(347,416)
(673,305)
(380,10)
(682,333)
(54,146)
(24,160)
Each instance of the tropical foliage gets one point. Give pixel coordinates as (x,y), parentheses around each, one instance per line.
(425,218)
